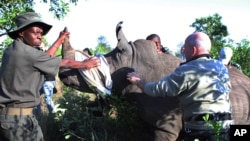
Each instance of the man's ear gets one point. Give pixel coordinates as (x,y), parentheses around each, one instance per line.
(195,51)
(20,34)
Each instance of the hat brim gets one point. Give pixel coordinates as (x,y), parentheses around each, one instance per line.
(46,28)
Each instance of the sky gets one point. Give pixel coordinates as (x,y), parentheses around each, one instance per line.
(171,19)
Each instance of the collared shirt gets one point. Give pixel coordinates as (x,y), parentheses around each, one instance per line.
(22,74)
(202,85)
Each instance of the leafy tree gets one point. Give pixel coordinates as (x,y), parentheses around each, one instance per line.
(216,31)
(9,9)
(241,54)
(103,46)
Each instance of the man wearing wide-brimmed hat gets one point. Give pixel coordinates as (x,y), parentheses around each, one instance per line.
(26,20)
(22,74)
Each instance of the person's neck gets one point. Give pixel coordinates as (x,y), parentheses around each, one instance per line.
(196,57)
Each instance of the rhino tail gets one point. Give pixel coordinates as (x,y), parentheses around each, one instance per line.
(68,52)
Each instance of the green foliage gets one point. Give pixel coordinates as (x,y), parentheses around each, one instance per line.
(79,118)
(241,54)
(49,125)
(83,125)
(58,53)
(216,31)
(214,125)
(3,47)
(60,8)
(211,25)
(9,9)
(125,113)
(103,46)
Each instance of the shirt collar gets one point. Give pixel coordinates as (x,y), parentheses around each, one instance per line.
(196,57)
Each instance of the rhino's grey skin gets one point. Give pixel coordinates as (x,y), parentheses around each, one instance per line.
(163,114)
(240,96)
(71,77)
(141,56)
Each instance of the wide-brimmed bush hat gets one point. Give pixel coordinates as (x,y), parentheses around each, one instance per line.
(27,19)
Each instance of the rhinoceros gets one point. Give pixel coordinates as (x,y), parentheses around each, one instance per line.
(163,114)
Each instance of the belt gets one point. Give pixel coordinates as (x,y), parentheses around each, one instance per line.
(215,117)
(16,111)
(195,132)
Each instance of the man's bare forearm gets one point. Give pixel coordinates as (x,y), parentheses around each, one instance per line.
(86,64)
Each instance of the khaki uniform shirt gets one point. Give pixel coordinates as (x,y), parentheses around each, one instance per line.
(22,74)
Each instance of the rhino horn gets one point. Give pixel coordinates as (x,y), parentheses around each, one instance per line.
(123,43)
(68,52)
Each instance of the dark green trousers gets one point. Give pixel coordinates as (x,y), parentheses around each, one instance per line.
(20,128)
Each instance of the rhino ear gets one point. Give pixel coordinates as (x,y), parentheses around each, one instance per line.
(123,43)
(118,28)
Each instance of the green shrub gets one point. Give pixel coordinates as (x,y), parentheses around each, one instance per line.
(78,118)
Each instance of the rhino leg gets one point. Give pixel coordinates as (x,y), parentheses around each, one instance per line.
(71,77)
(68,52)
(163,114)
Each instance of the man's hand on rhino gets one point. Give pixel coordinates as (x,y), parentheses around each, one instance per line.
(92,62)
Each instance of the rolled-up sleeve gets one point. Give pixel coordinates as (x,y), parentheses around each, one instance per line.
(47,64)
